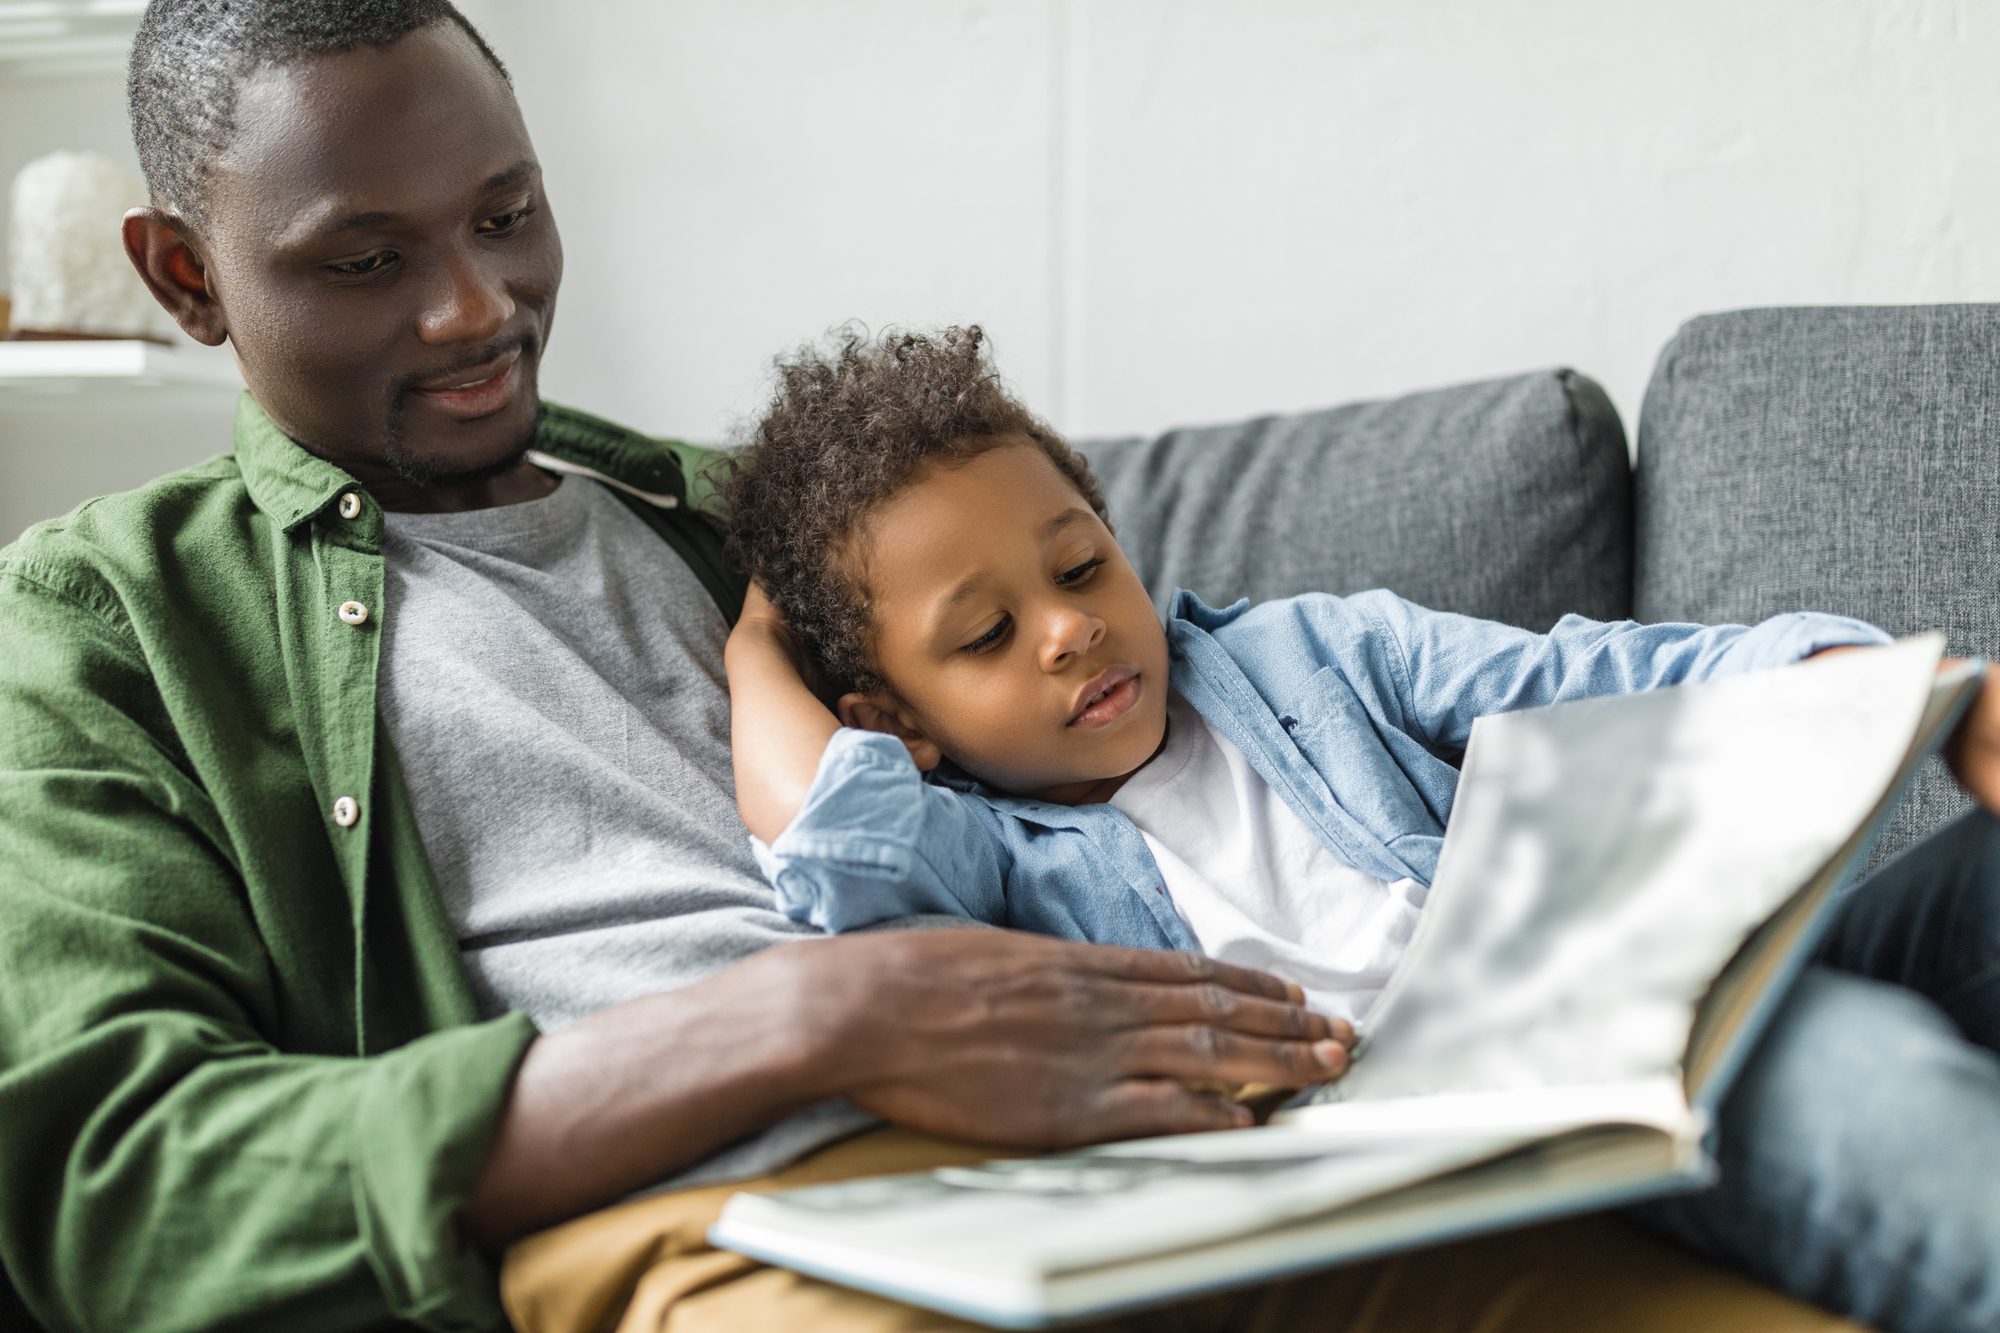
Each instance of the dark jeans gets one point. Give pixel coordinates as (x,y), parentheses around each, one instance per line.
(1860,1144)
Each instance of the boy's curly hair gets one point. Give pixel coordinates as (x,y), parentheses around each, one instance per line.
(850,424)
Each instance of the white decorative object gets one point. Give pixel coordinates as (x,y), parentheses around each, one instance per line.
(65,253)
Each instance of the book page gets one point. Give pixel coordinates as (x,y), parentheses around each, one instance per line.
(1605,859)
(1025,1218)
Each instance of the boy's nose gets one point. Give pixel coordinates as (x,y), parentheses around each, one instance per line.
(1071,633)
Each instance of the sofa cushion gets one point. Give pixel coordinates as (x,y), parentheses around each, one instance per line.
(1835,459)
(1508,499)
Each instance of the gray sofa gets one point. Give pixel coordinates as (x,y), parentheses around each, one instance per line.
(1836,459)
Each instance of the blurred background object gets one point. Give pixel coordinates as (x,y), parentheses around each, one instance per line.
(1170,211)
(70,275)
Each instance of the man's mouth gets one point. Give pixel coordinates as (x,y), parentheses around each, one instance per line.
(1106,698)
(474,391)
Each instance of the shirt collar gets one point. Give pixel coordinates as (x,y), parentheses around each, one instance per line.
(284,480)
(292,485)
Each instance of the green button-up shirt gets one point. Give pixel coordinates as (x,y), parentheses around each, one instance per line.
(242,1080)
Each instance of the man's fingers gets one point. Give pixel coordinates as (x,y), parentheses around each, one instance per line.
(1171,967)
(1150,1004)
(1139,1108)
(1195,1052)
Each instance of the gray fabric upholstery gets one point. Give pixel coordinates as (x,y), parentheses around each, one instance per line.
(1509,499)
(1837,459)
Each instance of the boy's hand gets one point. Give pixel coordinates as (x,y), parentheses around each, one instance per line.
(1974,749)
(761,629)
(779,721)
(761,620)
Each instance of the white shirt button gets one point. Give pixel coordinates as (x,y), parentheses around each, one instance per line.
(350,505)
(354,613)
(346,812)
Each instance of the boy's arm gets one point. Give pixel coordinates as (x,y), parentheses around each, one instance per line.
(778,730)
(847,830)
(1455,669)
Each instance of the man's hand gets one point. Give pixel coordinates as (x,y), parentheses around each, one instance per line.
(981,1034)
(1974,749)
(1005,1038)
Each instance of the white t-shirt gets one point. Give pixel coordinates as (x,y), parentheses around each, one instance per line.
(1253,883)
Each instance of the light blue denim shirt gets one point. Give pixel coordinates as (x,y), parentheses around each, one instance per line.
(1354,709)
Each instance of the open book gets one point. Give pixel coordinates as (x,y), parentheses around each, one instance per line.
(1626,887)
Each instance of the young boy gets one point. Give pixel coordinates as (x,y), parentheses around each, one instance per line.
(1268,784)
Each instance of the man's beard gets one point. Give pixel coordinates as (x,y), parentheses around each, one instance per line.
(431,472)
(428,472)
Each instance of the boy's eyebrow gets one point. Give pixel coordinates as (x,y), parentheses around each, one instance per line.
(1064,519)
(966,587)
(970,584)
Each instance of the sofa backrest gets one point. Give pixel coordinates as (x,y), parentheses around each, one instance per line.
(1833,458)
(1508,499)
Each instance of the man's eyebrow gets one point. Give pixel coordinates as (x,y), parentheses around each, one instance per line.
(524,170)
(360,222)
(514,175)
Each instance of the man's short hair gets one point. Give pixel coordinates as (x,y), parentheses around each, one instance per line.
(190,58)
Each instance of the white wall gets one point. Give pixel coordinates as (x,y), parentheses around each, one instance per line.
(1176,210)
(1171,210)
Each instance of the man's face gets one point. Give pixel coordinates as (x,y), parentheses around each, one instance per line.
(1011,630)
(385,259)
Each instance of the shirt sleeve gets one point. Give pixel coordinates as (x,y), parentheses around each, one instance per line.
(874,841)
(1455,669)
(165,1162)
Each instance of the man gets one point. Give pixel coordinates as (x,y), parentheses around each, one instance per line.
(286,737)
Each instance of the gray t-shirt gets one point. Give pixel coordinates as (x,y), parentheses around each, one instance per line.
(552,681)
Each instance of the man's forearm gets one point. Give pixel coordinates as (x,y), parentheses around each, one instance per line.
(637,1092)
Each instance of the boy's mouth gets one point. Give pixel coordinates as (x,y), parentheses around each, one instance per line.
(1105,698)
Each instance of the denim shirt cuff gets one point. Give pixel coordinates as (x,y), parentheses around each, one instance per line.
(1783,640)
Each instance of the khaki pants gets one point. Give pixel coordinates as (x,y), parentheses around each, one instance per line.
(647,1267)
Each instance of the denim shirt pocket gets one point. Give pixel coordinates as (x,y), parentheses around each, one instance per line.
(1363,758)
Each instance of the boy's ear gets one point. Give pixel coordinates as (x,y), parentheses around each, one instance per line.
(871,712)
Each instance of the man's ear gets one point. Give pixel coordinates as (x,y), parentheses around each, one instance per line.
(174,271)
(870,712)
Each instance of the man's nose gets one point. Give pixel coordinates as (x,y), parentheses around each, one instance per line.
(468,304)
(1071,632)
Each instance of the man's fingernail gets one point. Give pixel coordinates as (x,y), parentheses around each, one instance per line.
(1296,994)
(1330,1053)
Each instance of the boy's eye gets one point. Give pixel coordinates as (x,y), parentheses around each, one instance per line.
(991,638)
(1080,572)
(362,267)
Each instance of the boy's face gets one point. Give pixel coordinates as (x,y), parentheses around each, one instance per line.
(1012,633)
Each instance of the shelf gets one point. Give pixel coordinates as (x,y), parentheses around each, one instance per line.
(63,37)
(67,367)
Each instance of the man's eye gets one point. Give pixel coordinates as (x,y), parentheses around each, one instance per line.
(1080,572)
(362,267)
(501,223)
(991,638)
